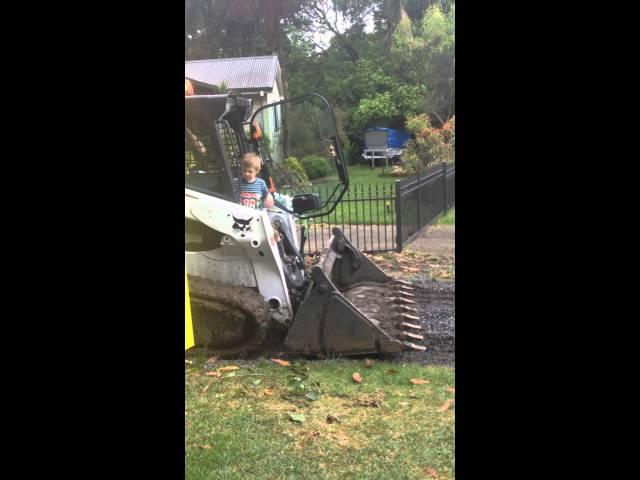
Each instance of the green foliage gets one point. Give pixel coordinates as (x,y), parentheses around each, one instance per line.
(375,110)
(349,149)
(316,167)
(292,172)
(435,28)
(404,67)
(404,34)
(428,58)
(430,145)
(416,124)
(266,139)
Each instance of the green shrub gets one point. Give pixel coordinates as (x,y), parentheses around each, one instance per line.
(429,145)
(291,172)
(316,167)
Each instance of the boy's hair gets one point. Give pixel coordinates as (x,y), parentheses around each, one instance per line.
(250,159)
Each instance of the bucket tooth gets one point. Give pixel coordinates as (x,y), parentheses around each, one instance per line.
(409,326)
(403,282)
(413,346)
(410,336)
(399,300)
(409,317)
(406,308)
(407,294)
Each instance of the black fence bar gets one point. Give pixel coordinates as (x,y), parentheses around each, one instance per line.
(420,199)
(407,206)
(384,215)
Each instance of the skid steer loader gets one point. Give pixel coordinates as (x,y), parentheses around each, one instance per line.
(246,267)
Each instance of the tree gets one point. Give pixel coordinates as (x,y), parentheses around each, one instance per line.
(404,67)
(427,52)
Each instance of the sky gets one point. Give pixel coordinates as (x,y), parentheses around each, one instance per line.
(323,39)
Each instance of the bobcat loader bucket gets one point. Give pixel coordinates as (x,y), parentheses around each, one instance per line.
(352,307)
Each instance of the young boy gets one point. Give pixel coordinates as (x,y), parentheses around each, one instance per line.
(253,190)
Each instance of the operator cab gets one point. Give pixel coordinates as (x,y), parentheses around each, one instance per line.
(294,133)
(285,134)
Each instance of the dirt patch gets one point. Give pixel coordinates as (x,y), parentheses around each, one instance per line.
(409,265)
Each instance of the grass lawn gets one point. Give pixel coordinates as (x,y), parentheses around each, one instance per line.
(363,174)
(313,421)
(356,207)
(366,174)
(448,219)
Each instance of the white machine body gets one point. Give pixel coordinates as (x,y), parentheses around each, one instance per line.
(248,255)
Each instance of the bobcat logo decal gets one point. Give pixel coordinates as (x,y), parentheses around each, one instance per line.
(241,226)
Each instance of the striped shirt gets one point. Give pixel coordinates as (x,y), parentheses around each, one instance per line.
(252,195)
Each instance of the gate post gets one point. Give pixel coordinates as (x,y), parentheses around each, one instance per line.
(418,202)
(398,217)
(444,170)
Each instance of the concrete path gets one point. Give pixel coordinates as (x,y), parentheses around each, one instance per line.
(435,239)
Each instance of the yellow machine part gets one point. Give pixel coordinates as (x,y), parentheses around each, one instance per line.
(188,324)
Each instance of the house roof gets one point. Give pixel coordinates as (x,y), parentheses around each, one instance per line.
(245,73)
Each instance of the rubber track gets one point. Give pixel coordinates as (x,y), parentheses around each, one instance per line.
(241,301)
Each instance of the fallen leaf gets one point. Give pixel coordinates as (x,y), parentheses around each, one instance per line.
(268,392)
(230,368)
(404,404)
(213,374)
(313,396)
(368,363)
(297,417)
(410,269)
(419,381)
(356,377)
(229,374)
(332,419)
(445,406)
(189,362)
(205,447)
(431,472)
(257,382)
(213,359)
(391,371)
(284,363)
(450,389)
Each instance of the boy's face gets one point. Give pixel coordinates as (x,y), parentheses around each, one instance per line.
(249,173)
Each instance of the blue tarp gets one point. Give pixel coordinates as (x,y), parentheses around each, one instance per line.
(397,138)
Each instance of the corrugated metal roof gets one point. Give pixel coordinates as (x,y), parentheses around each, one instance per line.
(236,73)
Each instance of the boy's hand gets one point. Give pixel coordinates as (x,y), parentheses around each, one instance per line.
(268,202)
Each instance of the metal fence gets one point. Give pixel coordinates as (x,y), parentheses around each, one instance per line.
(366,214)
(421,198)
(384,217)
